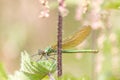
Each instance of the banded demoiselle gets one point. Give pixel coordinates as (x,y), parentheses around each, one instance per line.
(70,42)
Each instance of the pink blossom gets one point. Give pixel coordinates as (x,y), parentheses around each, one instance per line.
(82,8)
(45,11)
(95,16)
(62,8)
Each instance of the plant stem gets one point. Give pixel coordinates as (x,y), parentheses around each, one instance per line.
(59,47)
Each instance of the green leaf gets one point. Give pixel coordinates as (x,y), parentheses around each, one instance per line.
(32,70)
(3,75)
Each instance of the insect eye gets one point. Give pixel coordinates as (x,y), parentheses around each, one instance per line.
(40,51)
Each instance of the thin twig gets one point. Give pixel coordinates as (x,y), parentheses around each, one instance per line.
(59,47)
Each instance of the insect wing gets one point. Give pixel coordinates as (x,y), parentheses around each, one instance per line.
(75,39)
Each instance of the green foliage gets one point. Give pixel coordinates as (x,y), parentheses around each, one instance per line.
(3,75)
(31,70)
(107,76)
(68,2)
(112,4)
(118,37)
(71,77)
(71,2)
(107,46)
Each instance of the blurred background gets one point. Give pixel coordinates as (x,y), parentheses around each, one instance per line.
(21,29)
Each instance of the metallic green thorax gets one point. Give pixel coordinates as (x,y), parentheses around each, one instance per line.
(49,50)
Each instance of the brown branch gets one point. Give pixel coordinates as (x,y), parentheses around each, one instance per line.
(59,50)
(59,47)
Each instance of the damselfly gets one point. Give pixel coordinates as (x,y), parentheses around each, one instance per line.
(69,43)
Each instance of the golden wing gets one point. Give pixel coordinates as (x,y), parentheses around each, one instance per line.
(75,39)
